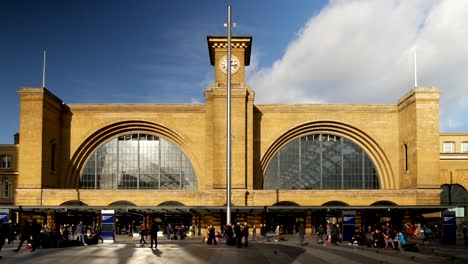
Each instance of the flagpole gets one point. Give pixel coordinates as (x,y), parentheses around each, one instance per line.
(415,69)
(44,70)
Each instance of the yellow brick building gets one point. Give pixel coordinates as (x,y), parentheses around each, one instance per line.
(290,163)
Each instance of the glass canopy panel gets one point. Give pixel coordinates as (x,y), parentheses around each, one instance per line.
(321,161)
(138,161)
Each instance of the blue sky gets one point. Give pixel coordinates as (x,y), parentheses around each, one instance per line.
(106,51)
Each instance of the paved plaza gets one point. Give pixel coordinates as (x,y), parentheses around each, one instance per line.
(194,251)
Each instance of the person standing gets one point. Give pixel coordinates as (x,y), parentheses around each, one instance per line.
(263,231)
(80,229)
(245,234)
(238,233)
(168,231)
(211,235)
(25,235)
(10,232)
(277,232)
(301,232)
(3,234)
(254,232)
(154,235)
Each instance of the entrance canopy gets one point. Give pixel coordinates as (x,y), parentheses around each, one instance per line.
(222,209)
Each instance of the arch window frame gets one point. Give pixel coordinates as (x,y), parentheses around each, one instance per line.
(337,163)
(135,165)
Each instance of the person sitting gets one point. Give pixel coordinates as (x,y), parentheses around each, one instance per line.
(388,240)
(370,239)
(400,241)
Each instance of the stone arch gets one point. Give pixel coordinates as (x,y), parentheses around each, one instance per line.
(454,177)
(122,203)
(286,203)
(384,203)
(335,203)
(362,139)
(454,194)
(103,135)
(171,203)
(73,203)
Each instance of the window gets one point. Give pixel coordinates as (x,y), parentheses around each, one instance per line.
(52,157)
(138,161)
(6,186)
(449,147)
(464,147)
(5,161)
(321,161)
(406,158)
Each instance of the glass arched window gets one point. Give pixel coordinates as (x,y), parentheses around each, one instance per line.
(138,161)
(321,161)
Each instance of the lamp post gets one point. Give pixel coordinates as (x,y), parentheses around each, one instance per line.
(228,130)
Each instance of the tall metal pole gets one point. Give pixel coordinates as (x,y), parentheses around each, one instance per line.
(228,130)
(44,69)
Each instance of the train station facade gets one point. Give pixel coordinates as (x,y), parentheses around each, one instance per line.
(290,163)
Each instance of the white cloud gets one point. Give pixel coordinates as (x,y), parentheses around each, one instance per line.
(362,52)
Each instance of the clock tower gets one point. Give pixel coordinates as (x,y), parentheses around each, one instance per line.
(242,102)
(240,57)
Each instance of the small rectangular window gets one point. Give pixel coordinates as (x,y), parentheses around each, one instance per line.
(5,161)
(52,158)
(464,147)
(6,186)
(449,147)
(406,158)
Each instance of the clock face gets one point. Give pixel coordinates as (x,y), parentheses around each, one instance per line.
(223,64)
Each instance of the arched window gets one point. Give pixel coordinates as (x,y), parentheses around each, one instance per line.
(321,161)
(138,161)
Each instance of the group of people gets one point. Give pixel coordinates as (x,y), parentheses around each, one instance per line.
(235,235)
(332,233)
(152,232)
(177,232)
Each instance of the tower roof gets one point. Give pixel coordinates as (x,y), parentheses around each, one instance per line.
(236,42)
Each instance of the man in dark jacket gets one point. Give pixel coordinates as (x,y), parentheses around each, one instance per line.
(36,235)
(3,234)
(154,235)
(238,233)
(25,234)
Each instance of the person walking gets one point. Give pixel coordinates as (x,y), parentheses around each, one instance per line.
(35,234)
(154,235)
(80,230)
(320,235)
(143,233)
(25,235)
